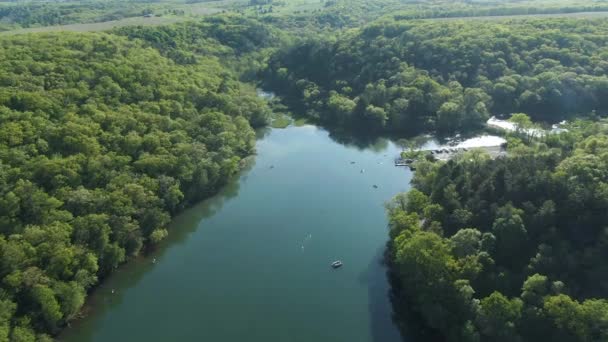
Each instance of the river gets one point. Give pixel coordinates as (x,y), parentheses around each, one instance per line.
(253,263)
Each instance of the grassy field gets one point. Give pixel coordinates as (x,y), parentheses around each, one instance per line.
(190,11)
(295,6)
(102,26)
(201,8)
(580,15)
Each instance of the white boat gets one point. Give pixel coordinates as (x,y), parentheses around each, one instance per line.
(336,264)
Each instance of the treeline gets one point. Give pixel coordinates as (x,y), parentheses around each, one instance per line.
(102,139)
(511,249)
(334,15)
(340,14)
(464,9)
(32,14)
(240,40)
(395,75)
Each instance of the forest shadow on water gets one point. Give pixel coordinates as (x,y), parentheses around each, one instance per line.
(380,310)
(386,315)
(361,136)
(360,139)
(410,324)
(110,292)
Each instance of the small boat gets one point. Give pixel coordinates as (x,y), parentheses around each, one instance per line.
(375,186)
(362,170)
(336,264)
(352,162)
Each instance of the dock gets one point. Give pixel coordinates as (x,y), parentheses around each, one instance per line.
(403,162)
(447,153)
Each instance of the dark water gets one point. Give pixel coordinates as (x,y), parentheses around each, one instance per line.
(252,263)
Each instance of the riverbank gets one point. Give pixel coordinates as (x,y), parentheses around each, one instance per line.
(254,264)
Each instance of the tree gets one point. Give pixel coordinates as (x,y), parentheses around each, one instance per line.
(565,314)
(510,235)
(376,115)
(523,125)
(71,298)
(49,307)
(466,242)
(7,310)
(449,117)
(498,317)
(534,289)
(416,202)
(342,106)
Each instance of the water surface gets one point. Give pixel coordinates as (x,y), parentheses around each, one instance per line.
(252,263)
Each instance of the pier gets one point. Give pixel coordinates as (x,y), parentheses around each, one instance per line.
(447,153)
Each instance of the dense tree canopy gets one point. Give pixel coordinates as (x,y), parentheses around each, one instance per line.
(103,137)
(101,140)
(242,42)
(510,249)
(398,75)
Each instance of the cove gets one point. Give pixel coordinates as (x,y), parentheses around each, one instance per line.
(253,262)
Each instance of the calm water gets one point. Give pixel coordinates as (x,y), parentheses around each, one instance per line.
(252,264)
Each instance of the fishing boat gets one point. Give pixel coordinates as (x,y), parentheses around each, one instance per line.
(336,264)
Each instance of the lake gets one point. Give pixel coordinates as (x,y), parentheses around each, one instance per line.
(253,263)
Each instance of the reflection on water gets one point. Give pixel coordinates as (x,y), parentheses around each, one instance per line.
(110,292)
(381,310)
(360,140)
(409,323)
(262,132)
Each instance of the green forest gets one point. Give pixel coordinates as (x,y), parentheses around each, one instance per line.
(102,139)
(510,249)
(105,136)
(410,76)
